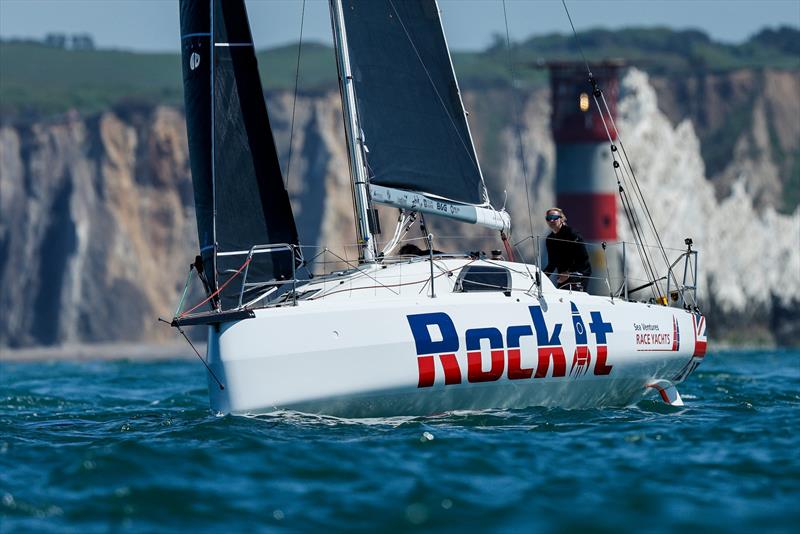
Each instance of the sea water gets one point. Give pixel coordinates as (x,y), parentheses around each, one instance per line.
(127,446)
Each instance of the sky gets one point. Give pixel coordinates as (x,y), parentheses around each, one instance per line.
(152,25)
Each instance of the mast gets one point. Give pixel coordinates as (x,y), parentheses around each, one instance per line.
(355,141)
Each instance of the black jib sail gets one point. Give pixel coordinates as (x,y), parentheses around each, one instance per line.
(409,106)
(250,205)
(196,59)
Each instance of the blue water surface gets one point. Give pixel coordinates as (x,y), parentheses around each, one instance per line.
(127,446)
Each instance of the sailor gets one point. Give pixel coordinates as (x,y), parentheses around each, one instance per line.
(566,253)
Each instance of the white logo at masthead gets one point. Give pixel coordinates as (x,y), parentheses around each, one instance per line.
(194,60)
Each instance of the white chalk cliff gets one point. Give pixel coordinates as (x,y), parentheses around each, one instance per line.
(748,256)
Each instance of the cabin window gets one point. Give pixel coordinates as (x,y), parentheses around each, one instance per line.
(483,278)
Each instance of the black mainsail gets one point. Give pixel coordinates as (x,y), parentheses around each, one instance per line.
(239,193)
(418,145)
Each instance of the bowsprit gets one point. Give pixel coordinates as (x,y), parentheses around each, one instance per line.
(436,336)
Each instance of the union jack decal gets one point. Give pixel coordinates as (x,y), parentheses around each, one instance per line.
(676,335)
(700,344)
(700,339)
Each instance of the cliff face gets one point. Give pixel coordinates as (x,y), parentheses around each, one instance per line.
(748,123)
(750,253)
(97,225)
(96,218)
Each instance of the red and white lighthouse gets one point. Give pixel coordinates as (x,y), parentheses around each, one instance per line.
(586,187)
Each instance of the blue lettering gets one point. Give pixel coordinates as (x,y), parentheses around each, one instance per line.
(422,338)
(541,329)
(600,328)
(580,328)
(514,333)
(475,335)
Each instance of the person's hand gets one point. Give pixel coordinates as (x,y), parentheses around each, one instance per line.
(563,278)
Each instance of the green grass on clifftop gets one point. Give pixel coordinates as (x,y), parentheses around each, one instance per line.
(41,80)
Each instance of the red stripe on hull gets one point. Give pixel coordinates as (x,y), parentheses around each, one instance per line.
(452,372)
(427,373)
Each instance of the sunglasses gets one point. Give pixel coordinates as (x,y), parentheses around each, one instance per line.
(552,217)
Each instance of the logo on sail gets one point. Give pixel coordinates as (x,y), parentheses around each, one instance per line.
(194,60)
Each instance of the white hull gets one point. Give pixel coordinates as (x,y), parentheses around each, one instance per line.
(352,351)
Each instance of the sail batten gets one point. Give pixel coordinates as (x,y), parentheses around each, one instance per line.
(409,106)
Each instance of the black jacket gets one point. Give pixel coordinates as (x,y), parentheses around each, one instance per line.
(566,253)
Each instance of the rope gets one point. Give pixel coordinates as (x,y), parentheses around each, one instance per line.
(390,286)
(294,102)
(363,273)
(218,291)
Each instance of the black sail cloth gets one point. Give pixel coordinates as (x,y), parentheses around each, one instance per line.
(250,205)
(408,103)
(196,62)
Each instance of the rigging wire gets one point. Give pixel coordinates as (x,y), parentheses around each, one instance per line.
(219,290)
(514,96)
(205,363)
(641,243)
(626,172)
(294,102)
(630,212)
(577,39)
(637,188)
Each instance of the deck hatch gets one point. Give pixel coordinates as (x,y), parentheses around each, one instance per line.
(483,278)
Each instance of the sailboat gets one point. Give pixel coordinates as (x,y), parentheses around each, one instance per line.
(393,334)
